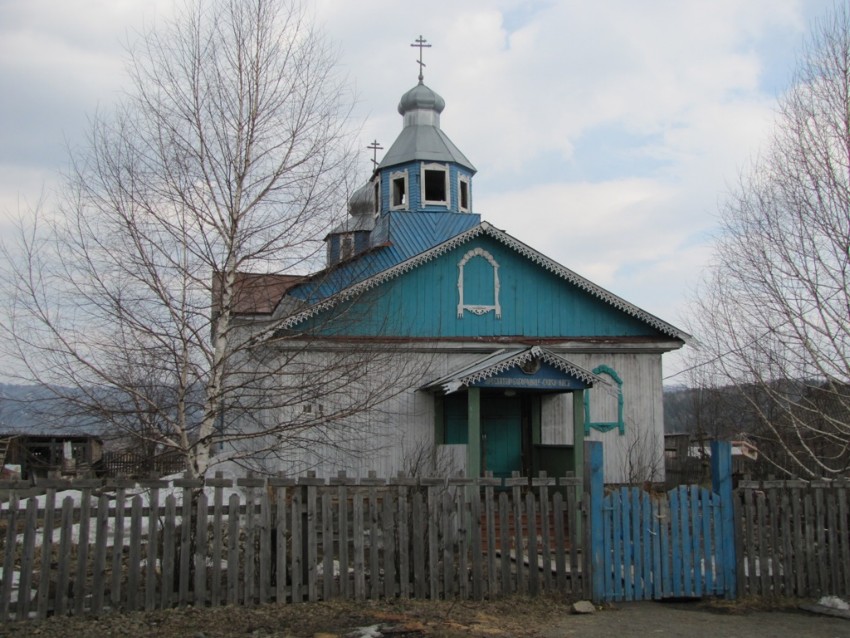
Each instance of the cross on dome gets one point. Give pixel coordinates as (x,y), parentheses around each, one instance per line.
(421,43)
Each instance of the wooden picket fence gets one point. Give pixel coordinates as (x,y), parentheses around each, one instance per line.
(126,545)
(159,544)
(128,463)
(793,538)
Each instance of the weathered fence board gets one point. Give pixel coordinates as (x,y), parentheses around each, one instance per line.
(168,545)
(99,570)
(8,558)
(172,543)
(46,552)
(793,538)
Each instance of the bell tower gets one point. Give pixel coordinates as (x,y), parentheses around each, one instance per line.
(420,192)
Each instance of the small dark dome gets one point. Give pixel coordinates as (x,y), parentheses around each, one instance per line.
(421,97)
(362,201)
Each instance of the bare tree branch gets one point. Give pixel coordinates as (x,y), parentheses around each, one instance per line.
(773,312)
(230,154)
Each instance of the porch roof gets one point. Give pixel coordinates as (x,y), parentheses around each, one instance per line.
(498,366)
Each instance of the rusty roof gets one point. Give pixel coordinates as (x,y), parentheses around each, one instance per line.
(256,293)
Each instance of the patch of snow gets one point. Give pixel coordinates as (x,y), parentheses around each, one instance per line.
(229,469)
(320,568)
(373,631)
(834,602)
(769,567)
(16,582)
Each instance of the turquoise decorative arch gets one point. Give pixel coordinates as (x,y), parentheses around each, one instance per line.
(602,426)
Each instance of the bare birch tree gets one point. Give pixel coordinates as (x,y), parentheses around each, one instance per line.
(230,154)
(774,313)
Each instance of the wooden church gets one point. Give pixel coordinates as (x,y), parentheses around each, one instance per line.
(495,357)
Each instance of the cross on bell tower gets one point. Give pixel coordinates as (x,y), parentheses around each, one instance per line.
(420,42)
(375,147)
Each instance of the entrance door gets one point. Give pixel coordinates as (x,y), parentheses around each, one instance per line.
(501,425)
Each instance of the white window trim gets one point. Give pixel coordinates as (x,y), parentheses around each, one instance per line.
(393,177)
(436,167)
(478,309)
(464,179)
(377,191)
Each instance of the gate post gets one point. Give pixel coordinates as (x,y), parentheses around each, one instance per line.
(595,491)
(721,483)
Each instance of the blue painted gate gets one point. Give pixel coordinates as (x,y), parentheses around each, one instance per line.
(650,546)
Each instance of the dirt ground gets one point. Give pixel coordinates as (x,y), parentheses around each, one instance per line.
(519,617)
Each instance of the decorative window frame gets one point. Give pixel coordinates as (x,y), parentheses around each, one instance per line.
(399,175)
(377,194)
(461,181)
(445,170)
(605,426)
(478,309)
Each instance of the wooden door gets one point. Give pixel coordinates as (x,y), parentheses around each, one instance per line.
(501,427)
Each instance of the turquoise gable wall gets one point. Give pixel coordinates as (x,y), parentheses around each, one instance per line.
(533,301)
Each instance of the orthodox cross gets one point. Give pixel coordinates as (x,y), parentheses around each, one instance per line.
(375,147)
(420,42)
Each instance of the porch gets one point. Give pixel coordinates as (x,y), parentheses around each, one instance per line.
(488,415)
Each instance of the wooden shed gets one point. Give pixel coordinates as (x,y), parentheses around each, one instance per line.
(41,455)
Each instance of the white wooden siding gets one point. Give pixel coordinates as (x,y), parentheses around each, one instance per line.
(389,435)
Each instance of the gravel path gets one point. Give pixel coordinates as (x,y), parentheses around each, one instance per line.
(511,617)
(692,620)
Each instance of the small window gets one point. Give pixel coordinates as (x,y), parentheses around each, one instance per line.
(398,190)
(346,246)
(377,196)
(435,179)
(435,186)
(463,190)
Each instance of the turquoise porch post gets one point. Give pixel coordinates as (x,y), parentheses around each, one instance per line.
(473,447)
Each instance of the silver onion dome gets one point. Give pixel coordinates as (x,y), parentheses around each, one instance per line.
(421,97)
(362,201)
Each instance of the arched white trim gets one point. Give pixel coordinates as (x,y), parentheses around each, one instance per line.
(478,309)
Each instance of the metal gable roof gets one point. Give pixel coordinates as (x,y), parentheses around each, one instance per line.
(412,234)
(485,228)
(503,360)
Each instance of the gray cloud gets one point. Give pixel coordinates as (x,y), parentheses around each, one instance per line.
(679,94)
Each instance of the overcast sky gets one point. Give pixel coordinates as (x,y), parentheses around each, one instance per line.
(605,133)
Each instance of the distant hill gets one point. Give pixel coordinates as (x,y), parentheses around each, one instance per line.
(34,409)
(716,412)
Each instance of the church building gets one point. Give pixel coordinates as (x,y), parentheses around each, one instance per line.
(511,359)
